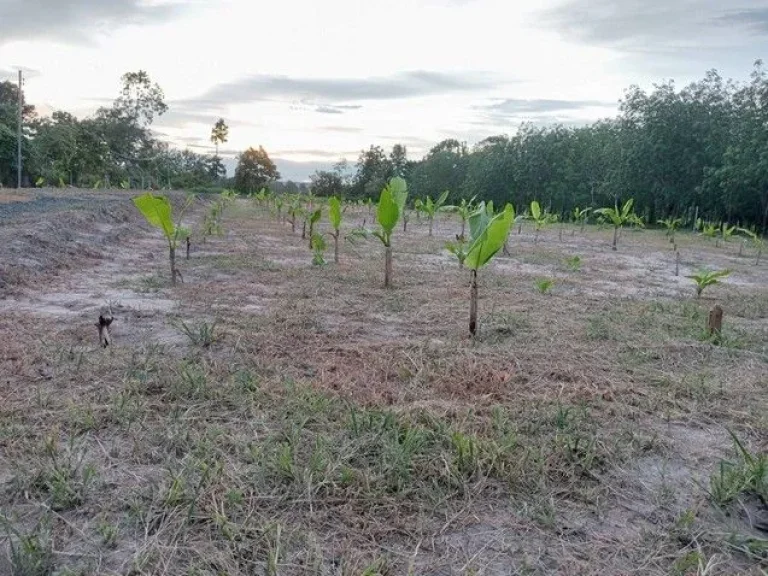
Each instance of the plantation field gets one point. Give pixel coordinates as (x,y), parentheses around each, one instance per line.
(268,416)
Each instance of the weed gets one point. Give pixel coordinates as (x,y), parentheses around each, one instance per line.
(201,334)
(749,474)
(544,285)
(573,263)
(31,553)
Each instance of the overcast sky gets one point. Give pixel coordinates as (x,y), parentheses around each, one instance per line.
(314,80)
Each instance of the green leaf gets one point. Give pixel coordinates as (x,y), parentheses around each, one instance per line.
(478,221)
(441,200)
(535,210)
(314,218)
(391,204)
(627,208)
(490,240)
(334,212)
(157,211)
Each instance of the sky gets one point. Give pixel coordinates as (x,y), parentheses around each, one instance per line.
(314,81)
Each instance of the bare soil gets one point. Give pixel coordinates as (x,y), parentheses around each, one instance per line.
(270,416)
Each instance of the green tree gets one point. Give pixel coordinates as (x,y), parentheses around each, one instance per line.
(254,170)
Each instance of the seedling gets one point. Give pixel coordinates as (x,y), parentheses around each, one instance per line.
(430,208)
(705,278)
(580,216)
(573,263)
(464,210)
(541,218)
(388,212)
(488,234)
(318,245)
(756,239)
(158,212)
(313,218)
(619,217)
(671,225)
(334,217)
(544,285)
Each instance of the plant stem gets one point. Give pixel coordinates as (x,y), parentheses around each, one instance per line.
(387,266)
(473,303)
(189,243)
(173,265)
(336,247)
(431,219)
(463,226)
(615,237)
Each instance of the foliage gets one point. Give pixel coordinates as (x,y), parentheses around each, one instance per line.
(390,209)
(544,285)
(318,249)
(254,170)
(671,225)
(705,278)
(620,216)
(488,234)
(573,263)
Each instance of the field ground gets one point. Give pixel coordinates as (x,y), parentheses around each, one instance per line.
(271,417)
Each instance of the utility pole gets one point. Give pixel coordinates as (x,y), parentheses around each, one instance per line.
(21,114)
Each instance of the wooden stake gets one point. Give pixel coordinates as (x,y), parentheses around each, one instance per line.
(715,322)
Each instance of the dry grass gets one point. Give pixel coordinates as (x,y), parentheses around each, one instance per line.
(309,421)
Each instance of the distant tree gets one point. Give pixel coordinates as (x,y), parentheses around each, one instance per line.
(254,170)
(373,172)
(325,183)
(398,158)
(140,100)
(219,134)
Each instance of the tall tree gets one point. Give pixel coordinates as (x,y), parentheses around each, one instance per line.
(219,134)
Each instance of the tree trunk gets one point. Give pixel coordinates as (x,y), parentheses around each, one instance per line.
(405,224)
(615,237)
(311,234)
(293,224)
(387,266)
(336,247)
(473,304)
(304,231)
(430,225)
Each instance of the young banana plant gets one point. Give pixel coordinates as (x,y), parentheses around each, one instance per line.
(726,231)
(313,218)
(709,230)
(295,211)
(431,208)
(619,216)
(580,216)
(388,213)
(487,236)
(704,278)
(464,209)
(334,217)
(671,225)
(158,212)
(756,239)
(541,218)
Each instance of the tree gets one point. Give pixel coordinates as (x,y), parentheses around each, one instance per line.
(140,100)
(254,170)
(373,171)
(325,183)
(390,209)
(219,134)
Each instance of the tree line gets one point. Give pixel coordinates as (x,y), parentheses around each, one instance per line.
(114,147)
(699,150)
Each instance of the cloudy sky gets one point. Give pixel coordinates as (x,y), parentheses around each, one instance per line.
(316,80)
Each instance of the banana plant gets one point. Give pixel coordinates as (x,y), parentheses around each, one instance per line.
(705,278)
(295,211)
(318,245)
(334,217)
(709,230)
(313,218)
(388,213)
(619,217)
(464,209)
(756,239)
(158,212)
(430,208)
(487,236)
(541,218)
(580,216)
(671,225)
(726,231)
